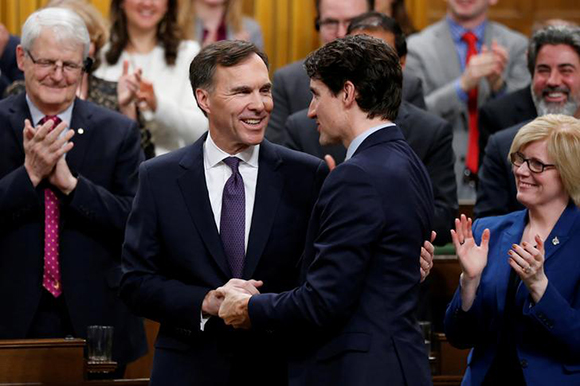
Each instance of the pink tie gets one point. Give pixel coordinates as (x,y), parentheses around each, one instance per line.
(51,276)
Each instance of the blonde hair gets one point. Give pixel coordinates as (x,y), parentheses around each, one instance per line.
(186,17)
(562,134)
(95,22)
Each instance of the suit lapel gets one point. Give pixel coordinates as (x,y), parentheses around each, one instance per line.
(195,194)
(561,232)
(447,49)
(401,119)
(502,269)
(81,124)
(268,193)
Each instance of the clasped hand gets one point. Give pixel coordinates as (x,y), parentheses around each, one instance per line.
(230,302)
(44,149)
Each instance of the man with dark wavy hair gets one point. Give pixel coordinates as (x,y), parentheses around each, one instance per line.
(354,314)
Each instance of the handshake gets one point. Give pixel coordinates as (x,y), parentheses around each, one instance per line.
(230,302)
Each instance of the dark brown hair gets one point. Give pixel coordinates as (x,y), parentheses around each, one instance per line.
(168,33)
(369,63)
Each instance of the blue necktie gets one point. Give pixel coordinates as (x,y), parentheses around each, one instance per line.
(233,218)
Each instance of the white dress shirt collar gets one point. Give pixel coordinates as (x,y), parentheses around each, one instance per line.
(214,155)
(37,115)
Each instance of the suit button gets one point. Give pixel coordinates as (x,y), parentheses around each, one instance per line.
(524,363)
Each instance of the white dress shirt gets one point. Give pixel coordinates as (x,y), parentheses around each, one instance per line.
(216,175)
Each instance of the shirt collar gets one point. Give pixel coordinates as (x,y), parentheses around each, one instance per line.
(458,31)
(214,155)
(37,115)
(354,145)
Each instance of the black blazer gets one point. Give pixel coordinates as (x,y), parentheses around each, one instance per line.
(501,113)
(9,71)
(173,256)
(496,190)
(291,93)
(427,134)
(105,157)
(356,306)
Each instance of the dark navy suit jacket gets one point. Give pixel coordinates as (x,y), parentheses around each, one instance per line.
(105,157)
(428,135)
(548,333)
(355,311)
(173,256)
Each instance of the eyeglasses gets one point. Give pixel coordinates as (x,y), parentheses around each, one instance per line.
(534,165)
(52,65)
(331,24)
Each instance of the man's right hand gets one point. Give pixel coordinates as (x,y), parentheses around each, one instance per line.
(43,148)
(487,64)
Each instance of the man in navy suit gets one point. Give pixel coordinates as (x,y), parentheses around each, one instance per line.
(63,202)
(355,311)
(180,244)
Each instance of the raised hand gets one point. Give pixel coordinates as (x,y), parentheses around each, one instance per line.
(528,262)
(127,89)
(472,257)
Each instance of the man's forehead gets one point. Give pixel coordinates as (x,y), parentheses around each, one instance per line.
(342,8)
(49,40)
(558,52)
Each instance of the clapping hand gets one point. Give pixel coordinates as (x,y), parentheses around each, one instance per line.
(528,262)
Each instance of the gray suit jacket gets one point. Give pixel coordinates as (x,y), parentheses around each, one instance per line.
(433,58)
(291,92)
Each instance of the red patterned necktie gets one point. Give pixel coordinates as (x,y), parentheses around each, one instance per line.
(472,159)
(51,276)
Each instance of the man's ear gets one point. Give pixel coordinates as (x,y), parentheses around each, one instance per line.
(348,93)
(202,97)
(20,57)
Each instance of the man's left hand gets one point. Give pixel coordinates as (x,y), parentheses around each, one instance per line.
(234,308)
(426,256)
(62,178)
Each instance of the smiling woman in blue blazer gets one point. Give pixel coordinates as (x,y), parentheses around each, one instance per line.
(518,301)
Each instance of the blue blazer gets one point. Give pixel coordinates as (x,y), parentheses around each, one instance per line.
(173,256)
(354,314)
(105,158)
(548,339)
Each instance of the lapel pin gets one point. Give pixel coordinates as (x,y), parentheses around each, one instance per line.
(81,131)
(555,241)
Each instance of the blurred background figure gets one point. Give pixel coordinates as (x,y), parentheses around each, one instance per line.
(117,95)
(464,60)
(208,21)
(554,63)
(398,11)
(517,305)
(9,71)
(145,38)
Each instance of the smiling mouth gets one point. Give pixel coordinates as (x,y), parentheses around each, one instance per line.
(253,121)
(555,95)
(526,185)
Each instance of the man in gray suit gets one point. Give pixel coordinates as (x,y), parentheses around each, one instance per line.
(291,85)
(497,64)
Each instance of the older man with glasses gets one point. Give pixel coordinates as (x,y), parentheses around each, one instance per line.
(67,181)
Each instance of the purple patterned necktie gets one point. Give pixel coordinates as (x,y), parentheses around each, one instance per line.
(51,275)
(233,218)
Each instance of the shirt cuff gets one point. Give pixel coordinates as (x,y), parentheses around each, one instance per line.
(462,95)
(202,321)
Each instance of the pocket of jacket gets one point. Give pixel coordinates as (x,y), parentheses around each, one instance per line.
(351,341)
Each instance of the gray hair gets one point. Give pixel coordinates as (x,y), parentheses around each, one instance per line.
(552,35)
(64,23)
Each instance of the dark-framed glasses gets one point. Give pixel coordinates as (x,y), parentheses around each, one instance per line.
(52,65)
(534,165)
